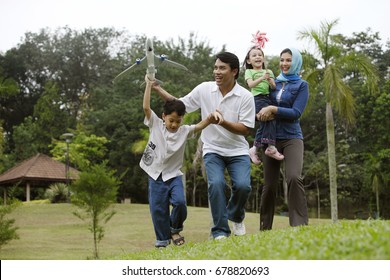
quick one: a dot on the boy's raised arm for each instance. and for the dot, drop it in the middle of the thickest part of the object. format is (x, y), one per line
(146, 103)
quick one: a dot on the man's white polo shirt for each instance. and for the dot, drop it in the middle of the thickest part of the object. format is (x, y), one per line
(236, 106)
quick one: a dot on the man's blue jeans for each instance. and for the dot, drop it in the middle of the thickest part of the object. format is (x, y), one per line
(161, 196)
(238, 168)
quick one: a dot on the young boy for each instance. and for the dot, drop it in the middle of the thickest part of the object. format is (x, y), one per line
(162, 160)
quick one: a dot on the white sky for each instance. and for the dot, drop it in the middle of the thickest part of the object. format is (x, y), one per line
(217, 22)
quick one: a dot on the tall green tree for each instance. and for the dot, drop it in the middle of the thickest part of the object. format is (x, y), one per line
(331, 79)
(55, 74)
(25, 139)
(378, 178)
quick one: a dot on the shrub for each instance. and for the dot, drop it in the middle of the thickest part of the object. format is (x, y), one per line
(7, 228)
(57, 193)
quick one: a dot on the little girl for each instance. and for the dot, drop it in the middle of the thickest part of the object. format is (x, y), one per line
(260, 81)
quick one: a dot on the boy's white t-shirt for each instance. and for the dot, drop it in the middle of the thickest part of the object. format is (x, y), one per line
(164, 152)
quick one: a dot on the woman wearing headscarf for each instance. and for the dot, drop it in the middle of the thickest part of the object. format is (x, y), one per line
(289, 98)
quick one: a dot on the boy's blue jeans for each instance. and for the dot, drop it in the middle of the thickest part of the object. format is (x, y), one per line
(238, 168)
(161, 196)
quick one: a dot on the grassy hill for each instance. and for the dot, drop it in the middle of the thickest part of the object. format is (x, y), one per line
(52, 232)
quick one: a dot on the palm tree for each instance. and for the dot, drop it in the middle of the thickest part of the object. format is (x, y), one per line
(377, 178)
(331, 78)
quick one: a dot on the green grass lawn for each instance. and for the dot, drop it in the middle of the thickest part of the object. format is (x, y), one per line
(52, 232)
(346, 240)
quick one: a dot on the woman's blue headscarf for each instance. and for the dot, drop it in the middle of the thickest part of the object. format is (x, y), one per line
(296, 64)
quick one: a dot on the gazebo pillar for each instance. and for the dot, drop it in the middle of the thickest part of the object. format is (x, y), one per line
(28, 191)
(5, 196)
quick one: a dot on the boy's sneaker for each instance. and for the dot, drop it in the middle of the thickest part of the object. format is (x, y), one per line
(239, 228)
(253, 155)
(274, 154)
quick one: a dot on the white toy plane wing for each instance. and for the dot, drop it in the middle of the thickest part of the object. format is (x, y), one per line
(139, 61)
(163, 60)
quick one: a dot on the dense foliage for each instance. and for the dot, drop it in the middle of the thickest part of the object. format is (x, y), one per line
(61, 81)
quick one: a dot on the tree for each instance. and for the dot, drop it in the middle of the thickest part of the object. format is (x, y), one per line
(93, 194)
(331, 78)
(24, 138)
(49, 112)
(32, 135)
(19, 89)
(53, 77)
(84, 151)
(378, 174)
(7, 228)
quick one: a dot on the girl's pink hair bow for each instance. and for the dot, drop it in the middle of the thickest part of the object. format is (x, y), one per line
(259, 39)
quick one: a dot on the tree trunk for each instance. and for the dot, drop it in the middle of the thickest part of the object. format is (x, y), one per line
(95, 235)
(377, 204)
(318, 200)
(331, 161)
(375, 183)
(195, 164)
(194, 186)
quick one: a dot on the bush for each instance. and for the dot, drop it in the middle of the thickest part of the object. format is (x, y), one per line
(7, 229)
(57, 193)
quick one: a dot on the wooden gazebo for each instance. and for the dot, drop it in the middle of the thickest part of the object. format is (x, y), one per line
(37, 171)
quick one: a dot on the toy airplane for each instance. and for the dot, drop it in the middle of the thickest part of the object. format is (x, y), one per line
(151, 62)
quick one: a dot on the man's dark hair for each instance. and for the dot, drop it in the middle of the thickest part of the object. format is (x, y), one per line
(231, 59)
(174, 105)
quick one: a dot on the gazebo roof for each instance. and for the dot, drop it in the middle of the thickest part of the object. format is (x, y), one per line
(38, 168)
